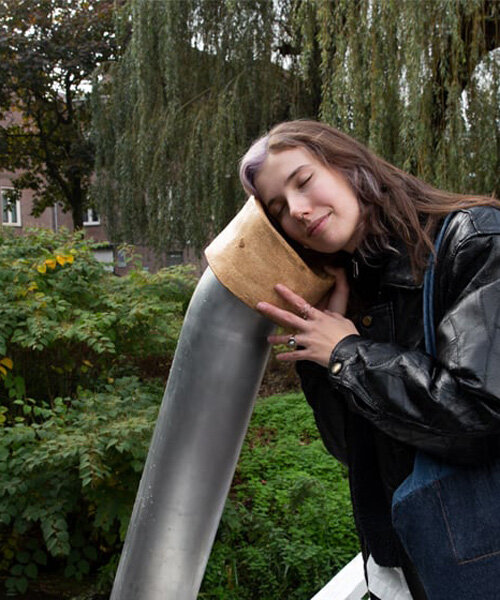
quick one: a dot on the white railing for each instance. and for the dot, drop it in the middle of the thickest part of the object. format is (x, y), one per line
(348, 584)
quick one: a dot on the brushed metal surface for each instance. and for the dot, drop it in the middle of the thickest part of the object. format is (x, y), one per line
(214, 379)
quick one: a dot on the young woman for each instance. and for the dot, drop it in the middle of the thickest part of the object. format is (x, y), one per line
(378, 397)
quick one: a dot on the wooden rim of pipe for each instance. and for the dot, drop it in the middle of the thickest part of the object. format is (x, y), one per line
(249, 257)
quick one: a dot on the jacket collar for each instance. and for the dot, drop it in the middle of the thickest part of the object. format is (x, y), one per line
(394, 268)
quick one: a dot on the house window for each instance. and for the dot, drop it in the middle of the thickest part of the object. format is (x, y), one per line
(11, 207)
(91, 217)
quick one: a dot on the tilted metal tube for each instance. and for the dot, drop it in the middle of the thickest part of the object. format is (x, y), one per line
(215, 376)
(214, 379)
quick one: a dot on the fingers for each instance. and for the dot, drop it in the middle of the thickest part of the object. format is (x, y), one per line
(291, 356)
(288, 295)
(311, 339)
(283, 339)
(303, 308)
(284, 317)
(280, 316)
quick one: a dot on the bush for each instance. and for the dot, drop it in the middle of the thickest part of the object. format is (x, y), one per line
(67, 488)
(287, 527)
(77, 409)
(73, 429)
(65, 321)
(68, 483)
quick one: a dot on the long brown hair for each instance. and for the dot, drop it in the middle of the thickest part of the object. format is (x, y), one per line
(393, 203)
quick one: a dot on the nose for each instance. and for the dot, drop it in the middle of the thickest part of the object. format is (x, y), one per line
(298, 206)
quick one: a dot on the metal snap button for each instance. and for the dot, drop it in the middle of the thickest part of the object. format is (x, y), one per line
(335, 368)
(367, 320)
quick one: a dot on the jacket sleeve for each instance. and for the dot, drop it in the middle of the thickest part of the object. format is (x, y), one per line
(328, 407)
(448, 406)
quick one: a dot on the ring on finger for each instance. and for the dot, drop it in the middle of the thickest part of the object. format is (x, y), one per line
(292, 342)
(304, 313)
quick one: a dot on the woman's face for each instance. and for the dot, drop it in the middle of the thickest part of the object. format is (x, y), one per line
(314, 204)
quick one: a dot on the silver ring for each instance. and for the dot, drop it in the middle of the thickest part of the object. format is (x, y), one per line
(292, 342)
(304, 313)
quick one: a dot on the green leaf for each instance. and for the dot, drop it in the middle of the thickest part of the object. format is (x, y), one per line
(31, 570)
(22, 585)
(23, 557)
(8, 553)
(83, 566)
(40, 557)
(90, 552)
(17, 570)
(69, 571)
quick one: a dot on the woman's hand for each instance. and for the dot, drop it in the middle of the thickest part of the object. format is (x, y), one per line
(317, 331)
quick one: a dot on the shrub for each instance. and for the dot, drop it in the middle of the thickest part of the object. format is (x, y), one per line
(65, 321)
(287, 527)
(77, 408)
(67, 488)
(68, 483)
(73, 429)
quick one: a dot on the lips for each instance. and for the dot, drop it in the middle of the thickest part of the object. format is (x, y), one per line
(316, 226)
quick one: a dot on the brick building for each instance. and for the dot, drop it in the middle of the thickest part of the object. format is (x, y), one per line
(17, 215)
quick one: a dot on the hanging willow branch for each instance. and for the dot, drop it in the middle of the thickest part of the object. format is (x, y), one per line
(200, 79)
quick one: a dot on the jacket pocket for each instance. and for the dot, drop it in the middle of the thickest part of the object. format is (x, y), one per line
(377, 323)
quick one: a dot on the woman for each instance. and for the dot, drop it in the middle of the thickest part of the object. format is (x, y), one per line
(377, 395)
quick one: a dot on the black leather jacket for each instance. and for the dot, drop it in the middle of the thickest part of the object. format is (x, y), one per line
(383, 396)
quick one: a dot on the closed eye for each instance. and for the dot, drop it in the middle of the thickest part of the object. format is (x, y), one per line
(303, 183)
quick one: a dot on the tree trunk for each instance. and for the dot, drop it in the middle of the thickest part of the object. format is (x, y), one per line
(76, 202)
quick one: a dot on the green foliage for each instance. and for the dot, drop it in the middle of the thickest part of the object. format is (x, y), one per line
(74, 429)
(65, 321)
(287, 526)
(67, 487)
(167, 144)
(67, 483)
(418, 81)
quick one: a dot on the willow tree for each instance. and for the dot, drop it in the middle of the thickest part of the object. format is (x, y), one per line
(199, 79)
(417, 81)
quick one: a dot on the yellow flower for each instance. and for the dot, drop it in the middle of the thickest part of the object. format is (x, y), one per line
(51, 263)
(42, 268)
(62, 259)
(3, 371)
(7, 362)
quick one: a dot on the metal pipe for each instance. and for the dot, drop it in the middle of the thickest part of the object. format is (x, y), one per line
(214, 379)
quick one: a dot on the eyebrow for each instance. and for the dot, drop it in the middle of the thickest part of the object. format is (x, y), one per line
(289, 178)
